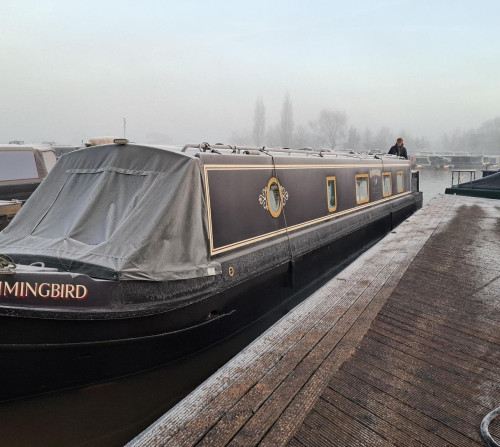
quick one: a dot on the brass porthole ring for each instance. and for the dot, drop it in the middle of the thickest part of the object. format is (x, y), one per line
(274, 202)
(231, 271)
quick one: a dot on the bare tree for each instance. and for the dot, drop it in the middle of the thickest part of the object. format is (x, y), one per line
(420, 144)
(259, 123)
(384, 139)
(445, 143)
(486, 138)
(367, 139)
(273, 136)
(330, 126)
(286, 124)
(301, 137)
(475, 140)
(353, 139)
(453, 142)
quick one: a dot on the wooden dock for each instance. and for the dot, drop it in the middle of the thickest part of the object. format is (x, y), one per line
(8, 209)
(402, 348)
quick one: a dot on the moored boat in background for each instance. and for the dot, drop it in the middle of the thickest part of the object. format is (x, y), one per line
(22, 168)
(129, 256)
(421, 161)
(491, 161)
(487, 187)
(466, 161)
(433, 161)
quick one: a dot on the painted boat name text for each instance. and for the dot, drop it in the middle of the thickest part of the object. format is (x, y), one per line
(43, 290)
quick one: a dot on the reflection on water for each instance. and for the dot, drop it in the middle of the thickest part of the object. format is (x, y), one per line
(110, 413)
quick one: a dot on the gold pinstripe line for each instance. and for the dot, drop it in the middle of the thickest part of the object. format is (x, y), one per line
(209, 210)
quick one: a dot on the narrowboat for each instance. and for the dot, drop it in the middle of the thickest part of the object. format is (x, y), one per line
(22, 169)
(466, 161)
(422, 161)
(431, 161)
(491, 161)
(439, 162)
(131, 256)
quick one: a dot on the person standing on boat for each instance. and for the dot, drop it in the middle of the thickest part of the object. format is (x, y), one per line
(398, 149)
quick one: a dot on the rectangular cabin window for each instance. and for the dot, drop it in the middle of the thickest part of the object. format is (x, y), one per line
(400, 183)
(17, 165)
(362, 190)
(386, 184)
(331, 189)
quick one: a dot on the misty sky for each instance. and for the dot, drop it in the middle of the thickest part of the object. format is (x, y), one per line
(192, 70)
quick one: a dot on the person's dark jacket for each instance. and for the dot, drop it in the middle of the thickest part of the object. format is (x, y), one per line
(399, 151)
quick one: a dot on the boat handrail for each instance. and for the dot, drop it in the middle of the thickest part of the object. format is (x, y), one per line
(471, 172)
(215, 148)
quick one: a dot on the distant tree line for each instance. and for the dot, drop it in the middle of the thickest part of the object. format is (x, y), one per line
(483, 140)
(331, 130)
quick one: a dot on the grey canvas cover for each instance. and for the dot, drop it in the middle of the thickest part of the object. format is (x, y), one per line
(126, 212)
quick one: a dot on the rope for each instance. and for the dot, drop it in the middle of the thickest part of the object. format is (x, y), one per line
(6, 262)
(275, 174)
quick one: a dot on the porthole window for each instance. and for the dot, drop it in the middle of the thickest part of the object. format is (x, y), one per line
(331, 191)
(400, 184)
(362, 191)
(274, 197)
(386, 184)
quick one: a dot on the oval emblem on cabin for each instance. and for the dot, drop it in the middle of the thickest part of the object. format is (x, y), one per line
(274, 197)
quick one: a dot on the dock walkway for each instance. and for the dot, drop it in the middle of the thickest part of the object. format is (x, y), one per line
(401, 348)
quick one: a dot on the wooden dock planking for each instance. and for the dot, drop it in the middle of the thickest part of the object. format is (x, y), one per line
(494, 429)
(398, 413)
(9, 207)
(302, 400)
(424, 373)
(424, 359)
(406, 425)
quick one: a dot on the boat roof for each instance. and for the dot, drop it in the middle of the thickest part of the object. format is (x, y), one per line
(26, 147)
(129, 211)
(223, 149)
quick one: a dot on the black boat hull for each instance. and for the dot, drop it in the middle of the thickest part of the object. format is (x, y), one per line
(42, 352)
(18, 191)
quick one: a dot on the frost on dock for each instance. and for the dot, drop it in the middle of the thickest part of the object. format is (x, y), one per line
(400, 348)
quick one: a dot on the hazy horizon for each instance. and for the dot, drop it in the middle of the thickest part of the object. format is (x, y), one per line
(192, 71)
